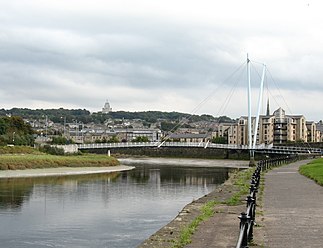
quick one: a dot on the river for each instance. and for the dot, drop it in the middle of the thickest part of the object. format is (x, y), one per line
(118, 209)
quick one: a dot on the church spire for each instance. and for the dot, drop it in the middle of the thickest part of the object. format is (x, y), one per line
(268, 111)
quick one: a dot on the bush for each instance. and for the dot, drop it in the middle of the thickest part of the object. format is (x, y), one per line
(52, 150)
(61, 141)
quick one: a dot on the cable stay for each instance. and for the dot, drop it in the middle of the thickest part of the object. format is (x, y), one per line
(236, 76)
(203, 102)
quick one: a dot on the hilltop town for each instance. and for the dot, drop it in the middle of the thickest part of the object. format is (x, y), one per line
(81, 126)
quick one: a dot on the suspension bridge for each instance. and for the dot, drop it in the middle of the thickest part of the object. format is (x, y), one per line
(252, 140)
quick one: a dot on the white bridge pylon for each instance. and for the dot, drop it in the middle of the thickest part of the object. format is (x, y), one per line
(252, 143)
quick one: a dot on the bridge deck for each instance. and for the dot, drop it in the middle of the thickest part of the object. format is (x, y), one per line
(259, 148)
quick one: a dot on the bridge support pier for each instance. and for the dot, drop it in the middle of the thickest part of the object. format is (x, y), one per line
(252, 162)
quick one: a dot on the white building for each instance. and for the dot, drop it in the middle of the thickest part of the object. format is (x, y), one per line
(106, 109)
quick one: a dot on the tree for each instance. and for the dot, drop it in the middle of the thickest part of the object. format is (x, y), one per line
(3, 126)
(113, 139)
(168, 126)
(60, 140)
(225, 119)
(13, 130)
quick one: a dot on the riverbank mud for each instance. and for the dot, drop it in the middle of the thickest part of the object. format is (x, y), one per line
(62, 171)
(237, 164)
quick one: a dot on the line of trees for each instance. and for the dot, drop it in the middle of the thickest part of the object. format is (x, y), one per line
(60, 115)
(13, 130)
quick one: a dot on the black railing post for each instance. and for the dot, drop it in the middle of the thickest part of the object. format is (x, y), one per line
(247, 220)
(251, 214)
(251, 189)
(244, 228)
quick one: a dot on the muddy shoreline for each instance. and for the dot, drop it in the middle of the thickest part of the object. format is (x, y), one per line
(62, 171)
(238, 164)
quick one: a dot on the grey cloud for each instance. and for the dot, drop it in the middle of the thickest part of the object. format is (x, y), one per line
(83, 57)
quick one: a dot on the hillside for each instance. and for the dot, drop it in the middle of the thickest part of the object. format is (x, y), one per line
(85, 116)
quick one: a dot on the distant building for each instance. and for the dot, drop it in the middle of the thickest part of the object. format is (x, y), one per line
(277, 128)
(94, 135)
(319, 130)
(189, 137)
(107, 108)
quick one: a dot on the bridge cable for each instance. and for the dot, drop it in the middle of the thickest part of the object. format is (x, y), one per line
(281, 95)
(229, 96)
(205, 100)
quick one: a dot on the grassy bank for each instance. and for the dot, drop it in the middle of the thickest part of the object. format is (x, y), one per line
(19, 158)
(207, 211)
(240, 182)
(313, 170)
(32, 161)
(18, 150)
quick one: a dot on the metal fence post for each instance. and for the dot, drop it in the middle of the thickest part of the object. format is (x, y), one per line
(244, 226)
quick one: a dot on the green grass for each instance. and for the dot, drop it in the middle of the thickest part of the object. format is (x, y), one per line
(313, 170)
(18, 150)
(32, 161)
(242, 180)
(207, 211)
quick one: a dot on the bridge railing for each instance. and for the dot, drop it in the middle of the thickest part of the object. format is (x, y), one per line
(167, 144)
(297, 149)
(117, 145)
(259, 148)
(247, 219)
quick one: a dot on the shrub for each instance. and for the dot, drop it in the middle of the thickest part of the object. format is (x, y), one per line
(52, 150)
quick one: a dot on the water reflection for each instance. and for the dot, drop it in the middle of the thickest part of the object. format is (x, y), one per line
(179, 175)
(13, 194)
(103, 210)
(15, 191)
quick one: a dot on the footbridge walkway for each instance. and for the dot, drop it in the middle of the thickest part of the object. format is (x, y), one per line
(262, 148)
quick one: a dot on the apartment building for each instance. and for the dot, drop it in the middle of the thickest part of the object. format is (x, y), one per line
(313, 134)
(277, 128)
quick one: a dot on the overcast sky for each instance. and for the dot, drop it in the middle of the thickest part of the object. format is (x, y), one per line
(168, 55)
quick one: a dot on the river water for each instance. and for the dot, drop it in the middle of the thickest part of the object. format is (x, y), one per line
(103, 210)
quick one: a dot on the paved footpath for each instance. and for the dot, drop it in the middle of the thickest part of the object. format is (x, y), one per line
(293, 209)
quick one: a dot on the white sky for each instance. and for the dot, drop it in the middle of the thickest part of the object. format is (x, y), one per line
(160, 55)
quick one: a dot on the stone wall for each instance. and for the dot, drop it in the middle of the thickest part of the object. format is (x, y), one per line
(68, 148)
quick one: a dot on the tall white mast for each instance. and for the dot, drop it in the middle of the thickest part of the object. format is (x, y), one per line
(259, 106)
(249, 105)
